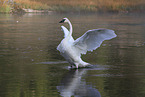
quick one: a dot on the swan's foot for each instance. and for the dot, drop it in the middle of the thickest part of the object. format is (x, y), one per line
(77, 65)
(85, 65)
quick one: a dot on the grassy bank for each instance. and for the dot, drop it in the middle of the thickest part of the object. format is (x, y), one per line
(74, 5)
(19, 5)
(97, 5)
(4, 7)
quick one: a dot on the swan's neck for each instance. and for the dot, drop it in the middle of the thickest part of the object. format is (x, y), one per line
(70, 25)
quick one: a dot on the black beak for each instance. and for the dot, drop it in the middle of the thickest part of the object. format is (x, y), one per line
(62, 21)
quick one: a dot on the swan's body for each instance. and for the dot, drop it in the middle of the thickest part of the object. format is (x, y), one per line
(72, 49)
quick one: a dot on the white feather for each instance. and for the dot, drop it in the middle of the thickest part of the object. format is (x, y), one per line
(92, 39)
(65, 30)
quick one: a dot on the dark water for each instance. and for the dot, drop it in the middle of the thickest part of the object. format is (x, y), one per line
(30, 65)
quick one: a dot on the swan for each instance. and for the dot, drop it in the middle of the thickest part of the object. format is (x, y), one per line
(72, 49)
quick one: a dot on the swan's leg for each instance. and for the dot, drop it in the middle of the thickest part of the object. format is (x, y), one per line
(77, 65)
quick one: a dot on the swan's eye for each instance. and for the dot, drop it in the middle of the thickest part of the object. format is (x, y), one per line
(62, 21)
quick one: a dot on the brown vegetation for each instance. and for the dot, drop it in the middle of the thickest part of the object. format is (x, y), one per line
(98, 5)
(75, 5)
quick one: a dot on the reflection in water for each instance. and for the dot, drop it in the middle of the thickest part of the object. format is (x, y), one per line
(73, 85)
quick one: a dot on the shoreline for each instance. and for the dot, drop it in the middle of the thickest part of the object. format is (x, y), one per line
(23, 10)
(72, 11)
(28, 6)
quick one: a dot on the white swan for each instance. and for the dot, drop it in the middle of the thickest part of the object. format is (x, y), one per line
(72, 49)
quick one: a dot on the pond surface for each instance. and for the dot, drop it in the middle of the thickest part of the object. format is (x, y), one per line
(30, 65)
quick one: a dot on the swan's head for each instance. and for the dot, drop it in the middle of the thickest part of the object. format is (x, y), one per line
(64, 20)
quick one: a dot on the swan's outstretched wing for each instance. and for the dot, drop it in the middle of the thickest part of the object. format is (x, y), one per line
(92, 39)
(65, 30)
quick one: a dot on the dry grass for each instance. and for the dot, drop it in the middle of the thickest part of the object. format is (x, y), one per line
(31, 4)
(77, 5)
(4, 7)
(101, 5)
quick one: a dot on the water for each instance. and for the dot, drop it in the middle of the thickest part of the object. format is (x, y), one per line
(30, 65)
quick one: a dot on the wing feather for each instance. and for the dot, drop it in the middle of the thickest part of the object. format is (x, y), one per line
(61, 47)
(65, 30)
(92, 39)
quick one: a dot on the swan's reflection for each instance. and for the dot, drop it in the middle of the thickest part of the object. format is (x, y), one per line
(73, 85)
